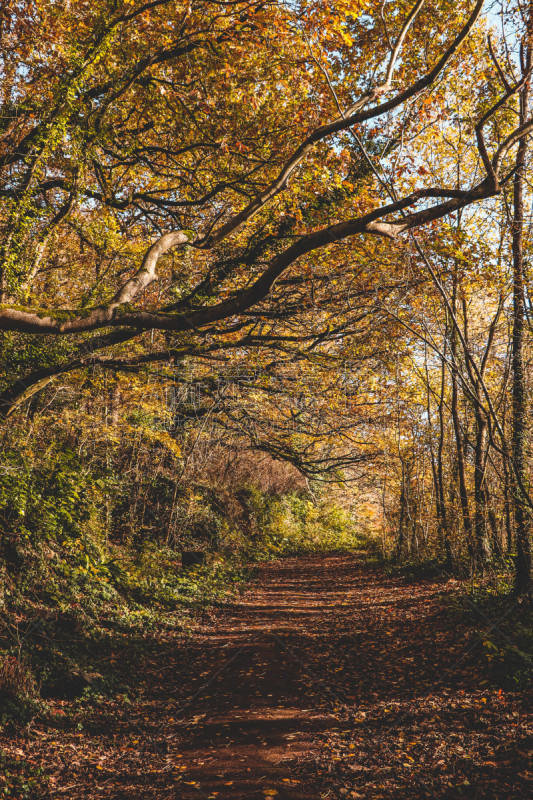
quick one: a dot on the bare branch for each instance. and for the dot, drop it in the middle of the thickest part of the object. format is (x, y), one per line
(400, 40)
(512, 139)
(499, 70)
(146, 274)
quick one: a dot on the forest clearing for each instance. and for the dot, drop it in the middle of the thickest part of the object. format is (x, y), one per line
(266, 431)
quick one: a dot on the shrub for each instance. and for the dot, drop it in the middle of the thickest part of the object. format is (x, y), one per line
(16, 680)
(296, 523)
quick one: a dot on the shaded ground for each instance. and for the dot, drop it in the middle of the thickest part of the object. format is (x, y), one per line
(326, 679)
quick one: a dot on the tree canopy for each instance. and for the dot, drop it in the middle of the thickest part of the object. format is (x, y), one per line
(317, 212)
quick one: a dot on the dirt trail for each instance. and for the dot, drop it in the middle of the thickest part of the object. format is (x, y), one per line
(326, 679)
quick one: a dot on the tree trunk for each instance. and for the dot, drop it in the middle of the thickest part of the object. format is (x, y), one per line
(481, 543)
(440, 472)
(523, 583)
(461, 467)
(507, 506)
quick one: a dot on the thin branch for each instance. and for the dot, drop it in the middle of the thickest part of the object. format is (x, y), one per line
(400, 40)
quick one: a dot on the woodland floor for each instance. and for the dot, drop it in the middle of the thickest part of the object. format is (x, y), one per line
(328, 678)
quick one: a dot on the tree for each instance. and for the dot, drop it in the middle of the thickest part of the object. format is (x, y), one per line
(189, 122)
(523, 578)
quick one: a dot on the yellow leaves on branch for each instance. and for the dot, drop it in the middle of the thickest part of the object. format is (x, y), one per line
(341, 8)
(334, 19)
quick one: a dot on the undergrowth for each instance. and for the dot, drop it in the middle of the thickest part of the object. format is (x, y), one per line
(79, 609)
(502, 625)
(502, 628)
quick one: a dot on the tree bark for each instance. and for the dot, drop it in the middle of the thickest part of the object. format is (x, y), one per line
(523, 581)
(459, 442)
(482, 547)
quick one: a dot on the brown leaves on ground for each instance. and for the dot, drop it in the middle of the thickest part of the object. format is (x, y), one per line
(327, 679)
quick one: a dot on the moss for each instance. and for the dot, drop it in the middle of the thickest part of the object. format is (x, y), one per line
(57, 314)
(42, 313)
(125, 308)
(62, 315)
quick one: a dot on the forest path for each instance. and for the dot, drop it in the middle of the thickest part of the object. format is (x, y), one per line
(326, 679)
